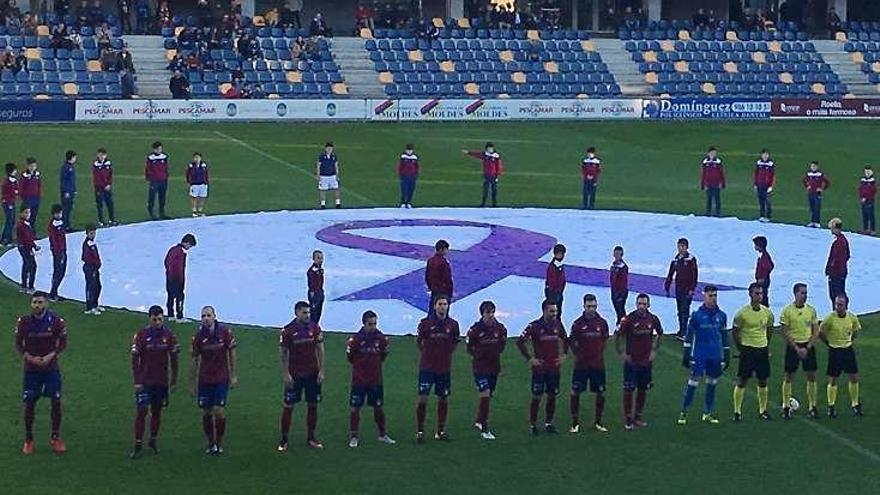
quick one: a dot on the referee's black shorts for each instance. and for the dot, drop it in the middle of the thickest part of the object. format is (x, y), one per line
(842, 360)
(754, 361)
(793, 361)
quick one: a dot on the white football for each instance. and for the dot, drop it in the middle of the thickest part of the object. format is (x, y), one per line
(793, 404)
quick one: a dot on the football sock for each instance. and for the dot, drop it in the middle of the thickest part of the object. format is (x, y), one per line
(832, 394)
(710, 397)
(354, 422)
(312, 420)
(220, 428)
(533, 410)
(442, 411)
(140, 424)
(641, 398)
(286, 416)
(786, 393)
(549, 409)
(323, 202)
(208, 427)
(379, 417)
(811, 394)
(600, 407)
(56, 417)
(739, 394)
(421, 412)
(689, 390)
(627, 403)
(483, 413)
(338, 201)
(155, 421)
(854, 394)
(763, 397)
(29, 420)
(575, 406)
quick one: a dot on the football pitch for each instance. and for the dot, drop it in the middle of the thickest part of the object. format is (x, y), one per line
(254, 167)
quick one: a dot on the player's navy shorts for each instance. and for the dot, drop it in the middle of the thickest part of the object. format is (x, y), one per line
(592, 377)
(373, 396)
(307, 384)
(793, 362)
(213, 394)
(545, 383)
(151, 395)
(486, 381)
(441, 382)
(710, 367)
(41, 384)
(754, 361)
(637, 377)
(842, 360)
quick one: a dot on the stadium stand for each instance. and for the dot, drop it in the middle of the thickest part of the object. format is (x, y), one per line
(862, 42)
(465, 61)
(679, 61)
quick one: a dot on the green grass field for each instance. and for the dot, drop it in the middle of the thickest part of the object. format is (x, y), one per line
(647, 166)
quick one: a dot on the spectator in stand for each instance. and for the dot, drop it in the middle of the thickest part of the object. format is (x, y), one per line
(832, 20)
(203, 14)
(142, 10)
(364, 16)
(62, 7)
(124, 7)
(187, 35)
(163, 14)
(60, 37)
(102, 33)
(237, 76)
(179, 86)
(258, 93)
(109, 60)
(232, 93)
(96, 13)
(271, 17)
(192, 61)
(319, 27)
(29, 24)
(82, 10)
(177, 63)
(248, 47)
(312, 52)
(297, 48)
(126, 81)
(386, 14)
(427, 30)
(12, 20)
(11, 61)
(246, 92)
(126, 60)
(296, 7)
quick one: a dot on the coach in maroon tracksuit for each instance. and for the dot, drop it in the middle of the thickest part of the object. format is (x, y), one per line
(838, 257)
(175, 275)
(438, 275)
(684, 268)
(712, 181)
(493, 167)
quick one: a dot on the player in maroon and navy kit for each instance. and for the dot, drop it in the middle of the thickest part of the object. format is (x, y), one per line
(198, 179)
(815, 182)
(40, 338)
(765, 180)
(493, 167)
(438, 275)
(58, 246)
(31, 188)
(213, 365)
(712, 181)
(684, 268)
(156, 174)
(9, 195)
(315, 279)
(25, 239)
(408, 172)
(102, 180)
(366, 351)
(438, 335)
(587, 339)
(485, 342)
(554, 282)
(636, 332)
(92, 269)
(153, 348)
(867, 193)
(302, 370)
(763, 267)
(591, 167)
(549, 347)
(619, 283)
(175, 276)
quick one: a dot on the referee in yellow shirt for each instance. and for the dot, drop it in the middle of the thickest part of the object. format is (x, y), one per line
(800, 327)
(752, 329)
(838, 330)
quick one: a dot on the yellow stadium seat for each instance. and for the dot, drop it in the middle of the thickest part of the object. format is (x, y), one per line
(503, 96)
(730, 67)
(840, 36)
(340, 89)
(366, 33)
(518, 77)
(682, 66)
(43, 30)
(386, 77)
(875, 67)
(708, 88)
(294, 77)
(177, 31)
(651, 78)
(71, 89)
(582, 96)
(464, 23)
(259, 21)
(759, 58)
(223, 88)
(170, 54)
(649, 56)
(41, 97)
(533, 35)
(858, 57)
(818, 88)
(667, 46)
(505, 56)
(731, 36)
(472, 88)
(415, 56)
(588, 46)
(94, 66)
(551, 67)
(786, 78)
(447, 66)
(775, 46)
(438, 22)
(684, 35)
(32, 53)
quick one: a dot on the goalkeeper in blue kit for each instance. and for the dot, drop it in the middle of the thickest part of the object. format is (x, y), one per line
(706, 353)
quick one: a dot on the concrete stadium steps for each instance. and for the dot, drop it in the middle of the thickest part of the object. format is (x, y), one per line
(150, 65)
(841, 63)
(621, 66)
(356, 68)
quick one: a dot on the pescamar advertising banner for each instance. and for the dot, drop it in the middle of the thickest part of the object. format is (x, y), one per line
(502, 109)
(214, 110)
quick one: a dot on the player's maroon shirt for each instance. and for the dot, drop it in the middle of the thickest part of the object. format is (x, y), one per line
(815, 182)
(438, 275)
(764, 266)
(619, 279)
(638, 329)
(366, 351)
(24, 235)
(555, 279)
(301, 341)
(867, 188)
(151, 351)
(437, 340)
(102, 174)
(713, 173)
(10, 190)
(545, 339)
(175, 263)
(684, 268)
(765, 173)
(57, 236)
(212, 347)
(485, 342)
(408, 166)
(838, 257)
(587, 340)
(31, 184)
(493, 167)
(90, 255)
(315, 278)
(38, 336)
(156, 167)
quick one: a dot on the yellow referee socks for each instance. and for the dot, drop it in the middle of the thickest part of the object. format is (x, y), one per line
(854, 394)
(786, 393)
(832, 394)
(763, 393)
(739, 394)
(811, 394)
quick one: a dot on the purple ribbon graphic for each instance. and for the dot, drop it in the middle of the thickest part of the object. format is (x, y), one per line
(506, 251)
